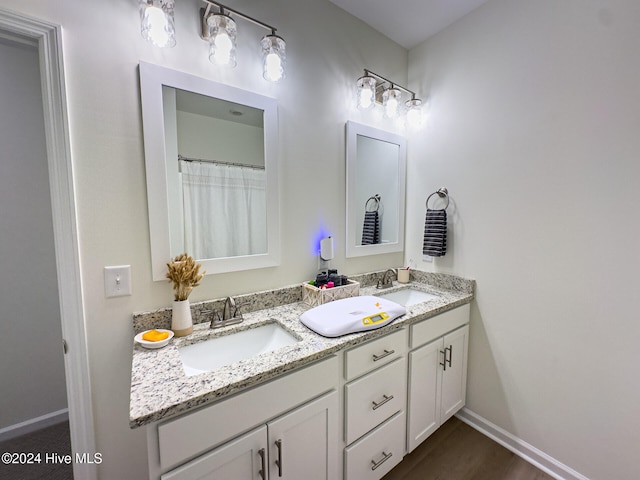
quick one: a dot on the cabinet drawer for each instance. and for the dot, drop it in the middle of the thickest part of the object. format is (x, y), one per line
(372, 399)
(375, 454)
(374, 354)
(434, 327)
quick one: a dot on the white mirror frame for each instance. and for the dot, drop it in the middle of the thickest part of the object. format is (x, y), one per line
(354, 208)
(152, 79)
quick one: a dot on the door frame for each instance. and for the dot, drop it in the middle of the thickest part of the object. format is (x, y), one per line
(76, 360)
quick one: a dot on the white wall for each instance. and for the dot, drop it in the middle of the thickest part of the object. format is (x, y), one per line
(327, 51)
(534, 129)
(31, 369)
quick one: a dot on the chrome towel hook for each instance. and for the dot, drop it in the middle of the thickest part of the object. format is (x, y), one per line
(442, 193)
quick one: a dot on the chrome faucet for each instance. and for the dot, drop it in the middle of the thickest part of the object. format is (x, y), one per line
(385, 281)
(229, 303)
(228, 316)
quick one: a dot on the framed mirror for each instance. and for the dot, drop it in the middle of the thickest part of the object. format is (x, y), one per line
(376, 171)
(212, 172)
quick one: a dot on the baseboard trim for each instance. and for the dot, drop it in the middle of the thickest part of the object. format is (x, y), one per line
(38, 423)
(526, 451)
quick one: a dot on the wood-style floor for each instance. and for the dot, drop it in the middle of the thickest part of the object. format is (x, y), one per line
(458, 452)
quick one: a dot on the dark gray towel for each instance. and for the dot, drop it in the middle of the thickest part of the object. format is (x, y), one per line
(371, 228)
(435, 233)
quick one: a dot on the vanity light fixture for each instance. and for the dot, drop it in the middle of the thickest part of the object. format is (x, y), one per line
(373, 88)
(366, 92)
(219, 29)
(222, 39)
(157, 26)
(414, 112)
(274, 57)
(391, 102)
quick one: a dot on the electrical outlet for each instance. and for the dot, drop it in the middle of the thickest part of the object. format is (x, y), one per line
(117, 281)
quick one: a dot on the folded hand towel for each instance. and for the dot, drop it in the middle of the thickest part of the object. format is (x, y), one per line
(435, 233)
(371, 228)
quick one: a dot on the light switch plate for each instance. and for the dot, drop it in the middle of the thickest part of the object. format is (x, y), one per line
(117, 281)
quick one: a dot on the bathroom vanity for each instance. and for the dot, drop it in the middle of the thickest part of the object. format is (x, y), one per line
(323, 408)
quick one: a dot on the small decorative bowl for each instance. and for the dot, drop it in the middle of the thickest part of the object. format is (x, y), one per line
(147, 344)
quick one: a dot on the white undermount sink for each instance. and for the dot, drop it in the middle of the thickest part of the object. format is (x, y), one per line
(218, 352)
(408, 296)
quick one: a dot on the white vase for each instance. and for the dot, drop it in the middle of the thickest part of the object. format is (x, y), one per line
(181, 322)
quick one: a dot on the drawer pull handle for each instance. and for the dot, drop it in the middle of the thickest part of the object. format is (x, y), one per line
(447, 360)
(279, 460)
(384, 400)
(444, 362)
(382, 355)
(263, 470)
(385, 457)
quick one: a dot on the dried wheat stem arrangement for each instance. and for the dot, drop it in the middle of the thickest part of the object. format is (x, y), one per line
(184, 273)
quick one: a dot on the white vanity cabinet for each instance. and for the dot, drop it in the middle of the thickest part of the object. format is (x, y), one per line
(292, 423)
(351, 416)
(437, 372)
(293, 446)
(374, 407)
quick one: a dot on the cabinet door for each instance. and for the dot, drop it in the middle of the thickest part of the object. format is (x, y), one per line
(424, 392)
(240, 459)
(454, 375)
(303, 443)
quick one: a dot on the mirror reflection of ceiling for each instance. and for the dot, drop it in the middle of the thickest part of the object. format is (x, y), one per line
(197, 104)
(409, 22)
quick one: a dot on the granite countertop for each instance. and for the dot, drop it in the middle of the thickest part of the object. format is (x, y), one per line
(160, 388)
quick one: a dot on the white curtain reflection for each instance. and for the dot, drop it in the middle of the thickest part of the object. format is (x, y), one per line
(224, 210)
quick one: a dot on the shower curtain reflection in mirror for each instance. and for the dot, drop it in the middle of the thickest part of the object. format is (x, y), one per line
(224, 209)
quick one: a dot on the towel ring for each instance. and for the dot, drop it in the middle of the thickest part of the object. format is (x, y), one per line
(442, 193)
(375, 198)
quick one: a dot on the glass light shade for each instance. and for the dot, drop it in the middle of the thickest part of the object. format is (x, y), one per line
(391, 102)
(366, 92)
(414, 112)
(222, 40)
(157, 23)
(274, 58)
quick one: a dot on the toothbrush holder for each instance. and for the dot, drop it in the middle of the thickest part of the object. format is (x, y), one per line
(403, 275)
